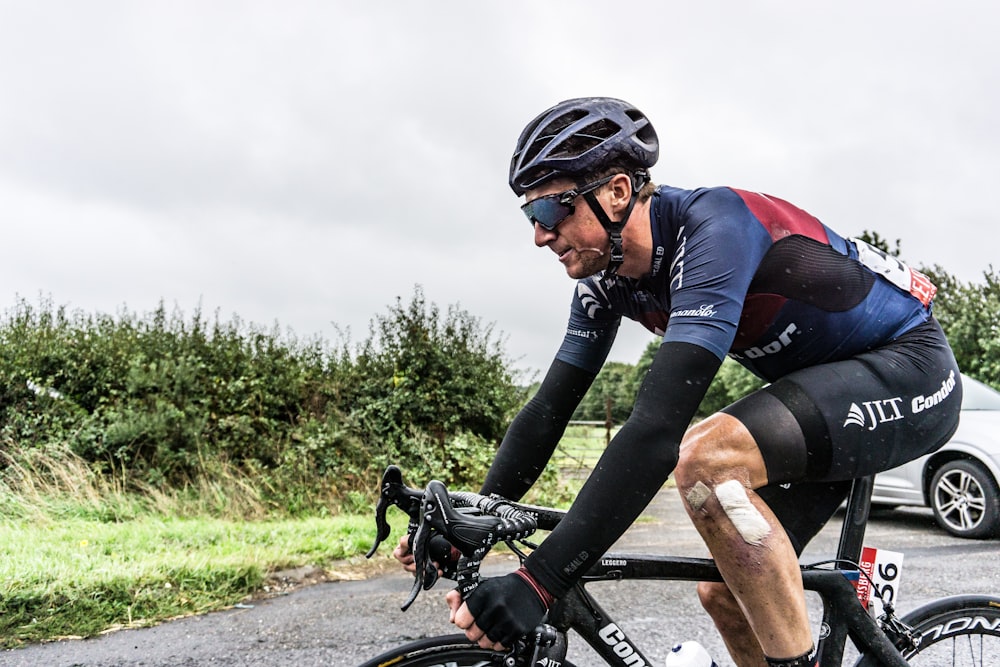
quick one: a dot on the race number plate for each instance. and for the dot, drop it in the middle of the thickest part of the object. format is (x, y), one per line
(893, 270)
(882, 583)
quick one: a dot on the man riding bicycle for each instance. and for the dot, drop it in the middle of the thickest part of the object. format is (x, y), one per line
(843, 333)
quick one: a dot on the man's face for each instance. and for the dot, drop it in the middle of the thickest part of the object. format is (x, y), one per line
(579, 241)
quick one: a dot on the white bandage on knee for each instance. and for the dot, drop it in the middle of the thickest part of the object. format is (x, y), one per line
(749, 522)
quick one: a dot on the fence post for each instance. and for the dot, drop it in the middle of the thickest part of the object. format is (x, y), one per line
(607, 421)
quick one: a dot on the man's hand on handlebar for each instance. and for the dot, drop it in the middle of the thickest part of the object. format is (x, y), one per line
(449, 535)
(501, 610)
(404, 555)
(443, 555)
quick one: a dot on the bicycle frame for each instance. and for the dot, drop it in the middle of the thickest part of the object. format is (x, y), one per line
(843, 614)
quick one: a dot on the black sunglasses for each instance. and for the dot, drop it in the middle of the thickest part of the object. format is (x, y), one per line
(550, 210)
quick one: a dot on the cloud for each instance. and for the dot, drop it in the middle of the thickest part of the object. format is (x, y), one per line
(307, 162)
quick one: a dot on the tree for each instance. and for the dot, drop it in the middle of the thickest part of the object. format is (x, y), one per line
(614, 383)
(970, 316)
(731, 383)
(876, 240)
(969, 313)
(427, 384)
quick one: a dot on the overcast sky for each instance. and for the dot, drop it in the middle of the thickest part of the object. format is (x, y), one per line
(305, 163)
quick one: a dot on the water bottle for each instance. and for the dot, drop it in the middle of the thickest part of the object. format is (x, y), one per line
(689, 654)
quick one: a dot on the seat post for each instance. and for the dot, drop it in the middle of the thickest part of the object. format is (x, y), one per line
(852, 533)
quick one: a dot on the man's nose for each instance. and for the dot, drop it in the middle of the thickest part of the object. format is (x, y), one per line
(543, 236)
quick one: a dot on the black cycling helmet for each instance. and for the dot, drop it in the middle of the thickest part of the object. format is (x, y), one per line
(582, 136)
(579, 137)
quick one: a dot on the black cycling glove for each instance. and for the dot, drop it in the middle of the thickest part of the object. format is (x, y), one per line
(509, 607)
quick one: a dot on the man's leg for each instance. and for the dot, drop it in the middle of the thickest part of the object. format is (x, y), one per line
(731, 623)
(792, 431)
(802, 508)
(719, 467)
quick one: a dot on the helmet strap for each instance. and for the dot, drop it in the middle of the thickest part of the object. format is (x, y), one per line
(614, 229)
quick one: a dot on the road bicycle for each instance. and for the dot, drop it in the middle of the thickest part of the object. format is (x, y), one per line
(959, 630)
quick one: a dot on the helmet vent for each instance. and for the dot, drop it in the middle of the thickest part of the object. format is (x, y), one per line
(538, 175)
(561, 122)
(550, 132)
(593, 135)
(644, 129)
(536, 147)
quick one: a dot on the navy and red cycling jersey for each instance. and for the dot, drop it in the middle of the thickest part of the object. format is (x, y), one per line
(752, 276)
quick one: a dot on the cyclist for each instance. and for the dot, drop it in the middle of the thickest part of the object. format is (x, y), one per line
(861, 376)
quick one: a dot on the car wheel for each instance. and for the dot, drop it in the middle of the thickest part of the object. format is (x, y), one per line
(965, 499)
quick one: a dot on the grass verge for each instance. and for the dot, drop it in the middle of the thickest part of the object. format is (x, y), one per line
(80, 577)
(81, 555)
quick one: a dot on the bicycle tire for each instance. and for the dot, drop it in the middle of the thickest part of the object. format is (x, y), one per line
(443, 651)
(958, 631)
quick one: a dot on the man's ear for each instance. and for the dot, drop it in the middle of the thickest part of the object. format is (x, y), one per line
(621, 192)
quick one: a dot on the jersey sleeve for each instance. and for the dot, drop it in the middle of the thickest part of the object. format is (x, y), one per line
(593, 325)
(720, 246)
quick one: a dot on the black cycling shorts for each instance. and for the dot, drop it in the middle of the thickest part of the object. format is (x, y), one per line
(819, 428)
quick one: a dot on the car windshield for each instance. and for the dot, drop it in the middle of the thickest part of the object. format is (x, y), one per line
(978, 396)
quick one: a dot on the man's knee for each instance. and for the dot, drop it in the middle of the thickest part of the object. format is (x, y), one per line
(700, 453)
(719, 463)
(718, 449)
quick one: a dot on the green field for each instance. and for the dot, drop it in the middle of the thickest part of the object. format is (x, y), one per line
(78, 577)
(580, 448)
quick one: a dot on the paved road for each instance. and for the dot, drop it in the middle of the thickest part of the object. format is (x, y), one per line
(340, 624)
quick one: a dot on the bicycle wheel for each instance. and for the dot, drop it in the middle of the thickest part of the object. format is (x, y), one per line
(959, 631)
(444, 651)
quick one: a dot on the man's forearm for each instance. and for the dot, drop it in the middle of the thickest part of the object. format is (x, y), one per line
(636, 464)
(536, 430)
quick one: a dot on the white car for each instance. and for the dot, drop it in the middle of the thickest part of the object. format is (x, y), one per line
(959, 481)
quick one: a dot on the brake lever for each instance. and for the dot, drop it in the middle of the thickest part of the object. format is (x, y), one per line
(417, 544)
(426, 574)
(382, 528)
(435, 511)
(393, 492)
(472, 524)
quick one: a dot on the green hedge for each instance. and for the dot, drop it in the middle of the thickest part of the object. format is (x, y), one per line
(164, 399)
